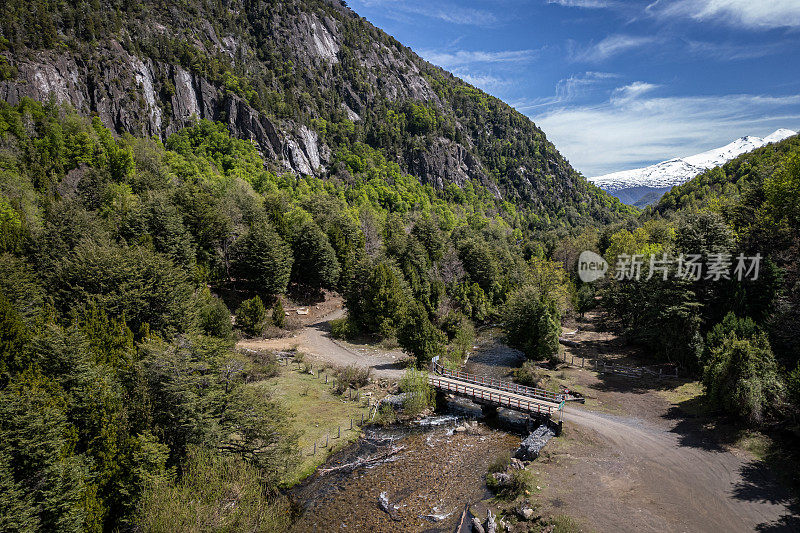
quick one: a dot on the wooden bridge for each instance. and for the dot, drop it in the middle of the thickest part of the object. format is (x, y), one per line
(496, 393)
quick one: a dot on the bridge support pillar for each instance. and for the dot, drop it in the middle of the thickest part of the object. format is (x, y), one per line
(489, 411)
(441, 401)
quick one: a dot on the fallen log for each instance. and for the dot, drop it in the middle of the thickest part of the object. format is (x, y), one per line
(567, 342)
(364, 461)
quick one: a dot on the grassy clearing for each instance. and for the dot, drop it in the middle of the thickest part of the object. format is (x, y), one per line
(682, 393)
(318, 413)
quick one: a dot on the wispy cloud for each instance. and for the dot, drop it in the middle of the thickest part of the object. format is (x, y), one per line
(609, 47)
(753, 14)
(486, 82)
(726, 51)
(451, 59)
(567, 90)
(445, 11)
(634, 129)
(633, 90)
(591, 4)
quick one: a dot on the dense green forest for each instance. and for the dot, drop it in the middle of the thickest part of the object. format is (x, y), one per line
(739, 336)
(117, 362)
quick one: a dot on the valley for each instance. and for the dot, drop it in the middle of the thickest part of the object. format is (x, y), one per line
(235, 235)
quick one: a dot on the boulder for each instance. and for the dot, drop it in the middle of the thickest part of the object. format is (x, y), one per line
(530, 447)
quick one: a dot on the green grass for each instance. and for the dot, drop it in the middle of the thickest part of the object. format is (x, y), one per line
(318, 412)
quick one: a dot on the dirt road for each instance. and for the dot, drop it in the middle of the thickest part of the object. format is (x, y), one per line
(648, 466)
(653, 479)
(315, 340)
(640, 471)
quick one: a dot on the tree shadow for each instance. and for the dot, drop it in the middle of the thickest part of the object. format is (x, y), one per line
(690, 430)
(759, 484)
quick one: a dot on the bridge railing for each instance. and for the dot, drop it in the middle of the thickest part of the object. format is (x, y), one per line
(507, 386)
(503, 400)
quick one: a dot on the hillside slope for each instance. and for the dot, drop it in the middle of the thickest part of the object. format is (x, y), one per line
(302, 80)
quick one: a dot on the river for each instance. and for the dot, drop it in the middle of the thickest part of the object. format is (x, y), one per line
(436, 470)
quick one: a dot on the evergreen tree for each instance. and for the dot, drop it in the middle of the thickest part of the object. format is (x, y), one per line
(251, 316)
(14, 337)
(419, 337)
(278, 314)
(315, 264)
(263, 259)
(532, 324)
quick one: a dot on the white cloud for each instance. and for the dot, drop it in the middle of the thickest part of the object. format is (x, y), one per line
(566, 90)
(632, 129)
(482, 81)
(633, 90)
(610, 46)
(580, 3)
(467, 57)
(754, 14)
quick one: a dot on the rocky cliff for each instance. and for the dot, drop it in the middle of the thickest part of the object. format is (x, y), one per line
(301, 80)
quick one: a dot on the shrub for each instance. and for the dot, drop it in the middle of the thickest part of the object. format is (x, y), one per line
(251, 316)
(215, 319)
(385, 415)
(350, 377)
(521, 482)
(419, 393)
(279, 315)
(741, 377)
(528, 375)
(343, 328)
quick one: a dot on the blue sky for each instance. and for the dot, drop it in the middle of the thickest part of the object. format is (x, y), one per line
(617, 84)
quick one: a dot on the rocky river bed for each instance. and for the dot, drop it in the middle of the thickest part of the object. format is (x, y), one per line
(418, 476)
(439, 466)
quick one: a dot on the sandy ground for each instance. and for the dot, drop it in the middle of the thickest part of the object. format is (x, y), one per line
(315, 340)
(633, 461)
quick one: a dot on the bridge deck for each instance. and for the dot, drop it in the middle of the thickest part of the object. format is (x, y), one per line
(493, 396)
(507, 386)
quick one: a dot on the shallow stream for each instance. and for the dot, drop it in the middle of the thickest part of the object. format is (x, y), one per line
(419, 476)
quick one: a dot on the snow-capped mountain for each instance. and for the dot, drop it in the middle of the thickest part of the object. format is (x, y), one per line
(632, 186)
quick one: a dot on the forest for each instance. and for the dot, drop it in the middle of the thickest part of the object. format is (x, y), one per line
(119, 384)
(117, 365)
(131, 264)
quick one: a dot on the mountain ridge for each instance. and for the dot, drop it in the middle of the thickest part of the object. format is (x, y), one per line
(650, 182)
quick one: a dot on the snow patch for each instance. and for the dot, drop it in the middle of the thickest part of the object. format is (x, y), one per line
(680, 170)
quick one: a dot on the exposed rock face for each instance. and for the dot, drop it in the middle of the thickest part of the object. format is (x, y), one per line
(127, 93)
(292, 76)
(448, 162)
